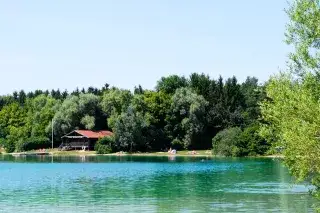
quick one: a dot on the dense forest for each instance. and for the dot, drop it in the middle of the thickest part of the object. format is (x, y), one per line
(183, 113)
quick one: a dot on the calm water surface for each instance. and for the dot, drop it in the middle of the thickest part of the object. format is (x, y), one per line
(147, 184)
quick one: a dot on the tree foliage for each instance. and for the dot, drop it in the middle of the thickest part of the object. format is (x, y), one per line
(105, 145)
(292, 113)
(182, 113)
(171, 83)
(78, 112)
(225, 142)
(303, 33)
(186, 118)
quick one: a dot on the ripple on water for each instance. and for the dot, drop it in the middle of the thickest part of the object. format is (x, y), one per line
(148, 185)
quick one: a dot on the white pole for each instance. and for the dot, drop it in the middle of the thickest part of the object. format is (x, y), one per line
(52, 133)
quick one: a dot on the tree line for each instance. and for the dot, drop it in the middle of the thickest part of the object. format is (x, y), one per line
(181, 113)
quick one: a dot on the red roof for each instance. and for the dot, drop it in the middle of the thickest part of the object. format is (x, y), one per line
(94, 134)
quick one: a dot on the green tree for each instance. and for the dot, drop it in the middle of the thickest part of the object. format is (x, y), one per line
(251, 143)
(13, 126)
(22, 97)
(78, 112)
(186, 118)
(129, 131)
(40, 112)
(292, 111)
(225, 142)
(114, 102)
(88, 122)
(303, 33)
(171, 83)
(138, 90)
(253, 95)
(105, 145)
(201, 84)
(154, 106)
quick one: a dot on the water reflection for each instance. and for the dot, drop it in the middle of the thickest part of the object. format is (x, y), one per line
(148, 184)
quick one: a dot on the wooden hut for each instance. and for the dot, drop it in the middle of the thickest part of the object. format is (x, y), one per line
(83, 139)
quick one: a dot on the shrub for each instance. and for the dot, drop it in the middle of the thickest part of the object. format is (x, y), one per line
(9, 146)
(105, 145)
(235, 142)
(177, 144)
(251, 143)
(36, 143)
(225, 142)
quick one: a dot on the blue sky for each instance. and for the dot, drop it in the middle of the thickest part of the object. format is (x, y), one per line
(80, 43)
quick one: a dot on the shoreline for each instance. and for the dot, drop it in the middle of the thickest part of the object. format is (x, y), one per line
(200, 153)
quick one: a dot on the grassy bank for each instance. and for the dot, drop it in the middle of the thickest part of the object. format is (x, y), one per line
(55, 152)
(200, 153)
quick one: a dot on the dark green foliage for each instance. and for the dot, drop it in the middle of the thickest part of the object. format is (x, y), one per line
(34, 143)
(236, 142)
(9, 146)
(186, 117)
(131, 129)
(79, 112)
(225, 142)
(170, 84)
(138, 90)
(177, 144)
(22, 97)
(251, 143)
(105, 145)
(201, 84)
(65, 94)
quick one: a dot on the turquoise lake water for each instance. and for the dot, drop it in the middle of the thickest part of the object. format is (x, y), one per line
(148, 184)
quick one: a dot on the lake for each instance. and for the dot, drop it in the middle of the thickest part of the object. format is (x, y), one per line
(148, 184)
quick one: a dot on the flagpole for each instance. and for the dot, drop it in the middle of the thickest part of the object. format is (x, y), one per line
(52, 133)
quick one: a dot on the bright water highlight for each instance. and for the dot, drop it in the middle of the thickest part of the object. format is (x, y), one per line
(148, 184)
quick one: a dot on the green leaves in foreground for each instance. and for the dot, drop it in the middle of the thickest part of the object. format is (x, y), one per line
(292, 114)
(303, 33)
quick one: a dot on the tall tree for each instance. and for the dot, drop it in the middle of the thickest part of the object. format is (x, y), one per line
(79, 112)
(22, 97)
(292, 116)
(138, 90)
(186, 118)
(303, 33)
(65, 94)
(114, 102)
(76, 92)
(129, 131)
(15, 95)
(13, 126)
(38, 92)
(171, 83)
(201, 84)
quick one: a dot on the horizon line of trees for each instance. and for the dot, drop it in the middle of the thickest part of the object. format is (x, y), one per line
(182, 113)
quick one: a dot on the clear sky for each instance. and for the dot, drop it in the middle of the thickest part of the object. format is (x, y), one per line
(80, 43)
